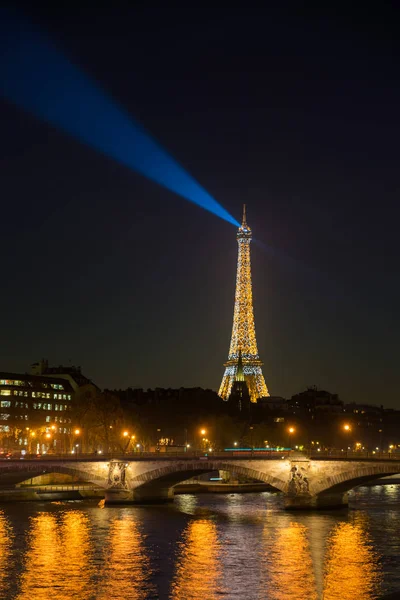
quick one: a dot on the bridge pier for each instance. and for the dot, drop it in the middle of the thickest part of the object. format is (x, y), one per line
(319, 502)
(138, 496)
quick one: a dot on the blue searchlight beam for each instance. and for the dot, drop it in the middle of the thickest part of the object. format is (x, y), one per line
(38, 78)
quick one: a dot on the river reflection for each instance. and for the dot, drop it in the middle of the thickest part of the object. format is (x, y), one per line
(352, 569)
(57, 560)
(126, 572)
(198, 570)
(203, 548)
(289, 573)
(5, 545)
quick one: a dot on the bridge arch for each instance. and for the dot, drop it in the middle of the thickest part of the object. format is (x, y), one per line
(12, 474)
(348, 479)
(165, 477)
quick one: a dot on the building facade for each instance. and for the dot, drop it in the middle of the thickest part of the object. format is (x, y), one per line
(36, 409)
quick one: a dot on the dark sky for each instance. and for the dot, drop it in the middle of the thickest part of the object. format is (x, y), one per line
(296, 114)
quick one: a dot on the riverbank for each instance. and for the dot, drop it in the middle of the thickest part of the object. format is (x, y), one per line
(205, 487)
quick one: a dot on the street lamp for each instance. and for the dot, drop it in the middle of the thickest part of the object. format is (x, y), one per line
(77, 432)
(203, 440)
(291, 431)
(346, 427)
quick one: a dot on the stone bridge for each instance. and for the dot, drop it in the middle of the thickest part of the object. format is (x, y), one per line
(305, 482)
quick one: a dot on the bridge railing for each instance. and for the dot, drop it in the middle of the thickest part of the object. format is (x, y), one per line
(197, 454)
(353, 455)
(200, 455)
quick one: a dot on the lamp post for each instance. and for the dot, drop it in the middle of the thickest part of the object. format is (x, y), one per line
(291, 431)
(77, 433)
(202, 433)
(48, 438)
(31, 435)
(347, 429)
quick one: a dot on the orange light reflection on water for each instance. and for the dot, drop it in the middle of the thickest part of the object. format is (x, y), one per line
(57, 562)
(288, 570)
(126, 574)
(198, 571)
(5, 550)
(351, 566)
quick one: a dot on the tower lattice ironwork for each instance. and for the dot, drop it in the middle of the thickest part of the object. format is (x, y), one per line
(243, 341)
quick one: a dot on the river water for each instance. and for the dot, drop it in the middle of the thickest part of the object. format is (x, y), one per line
(239, 546)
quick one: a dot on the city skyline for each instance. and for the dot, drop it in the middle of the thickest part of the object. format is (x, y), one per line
(105, 269)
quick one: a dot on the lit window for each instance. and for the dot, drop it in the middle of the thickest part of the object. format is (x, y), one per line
(5, 392)
(5, 404)
(48, 419)
(69, 396)
(4, 428)
(55, 419)
(4, 416)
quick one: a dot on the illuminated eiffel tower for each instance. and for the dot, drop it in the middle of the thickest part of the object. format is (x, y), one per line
(243, 341)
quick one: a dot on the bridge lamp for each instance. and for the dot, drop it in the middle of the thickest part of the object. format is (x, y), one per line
(187, 445)
(203, 431)
(77, 431)
(210, 449)
(235, 443)
(347, 427)
(125, 434)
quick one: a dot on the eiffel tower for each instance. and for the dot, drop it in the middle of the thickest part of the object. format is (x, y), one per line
(243, 341)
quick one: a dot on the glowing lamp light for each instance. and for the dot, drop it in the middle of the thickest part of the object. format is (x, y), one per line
(125, 434)
(37, 77)
(77, 431)
(203, 432)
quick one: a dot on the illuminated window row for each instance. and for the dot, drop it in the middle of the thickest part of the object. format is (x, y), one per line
(56, 419)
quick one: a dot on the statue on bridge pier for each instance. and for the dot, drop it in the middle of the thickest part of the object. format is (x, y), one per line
(117, 475)
(298, 483)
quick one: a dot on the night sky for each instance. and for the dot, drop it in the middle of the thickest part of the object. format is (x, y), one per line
(294, 113)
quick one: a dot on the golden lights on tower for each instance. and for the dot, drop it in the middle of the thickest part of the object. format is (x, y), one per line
(243, 340)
